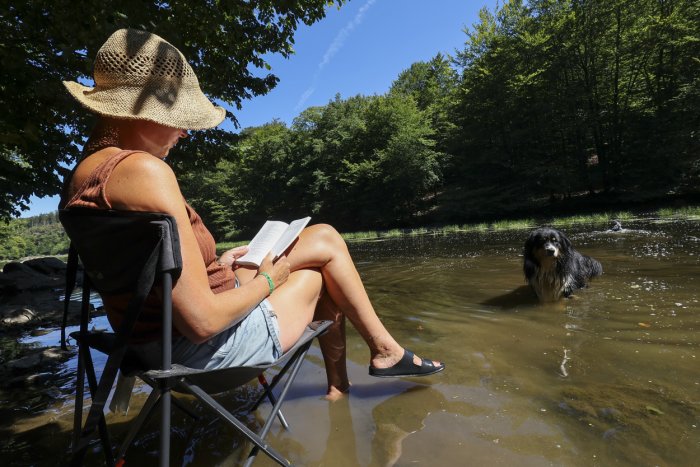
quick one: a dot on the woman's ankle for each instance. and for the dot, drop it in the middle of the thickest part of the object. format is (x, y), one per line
(383, 346)
(335, 393)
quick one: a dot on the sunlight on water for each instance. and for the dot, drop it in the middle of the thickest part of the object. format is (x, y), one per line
(609, 377)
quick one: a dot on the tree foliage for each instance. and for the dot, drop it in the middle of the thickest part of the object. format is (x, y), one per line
(572, 96)
(360, 161)
(47, 41)
(35, 236)
(550, 104)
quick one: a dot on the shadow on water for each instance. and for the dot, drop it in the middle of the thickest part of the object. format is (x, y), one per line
(608, 377)
(520, 296)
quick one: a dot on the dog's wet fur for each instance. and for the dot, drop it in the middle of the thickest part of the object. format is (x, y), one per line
(552, 266)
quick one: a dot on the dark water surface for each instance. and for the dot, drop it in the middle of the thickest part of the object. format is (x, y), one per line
(609, 377)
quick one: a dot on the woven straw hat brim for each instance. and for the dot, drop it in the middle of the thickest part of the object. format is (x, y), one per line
(186, 108)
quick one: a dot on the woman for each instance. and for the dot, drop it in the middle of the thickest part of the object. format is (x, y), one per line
(147, 97)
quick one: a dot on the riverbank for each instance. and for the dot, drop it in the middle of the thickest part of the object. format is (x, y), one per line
(599, 220)
(31, 288)
(31, 304)
(608, 377)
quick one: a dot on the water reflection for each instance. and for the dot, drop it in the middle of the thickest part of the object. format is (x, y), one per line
(608, 377)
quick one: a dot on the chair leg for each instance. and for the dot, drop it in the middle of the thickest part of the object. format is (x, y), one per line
(224, 414)
(184, 409)
(295, 363)
(273, 399)
(144, 415)
(82, 434)
(141, 419)
(102, 423)
(299, 354)
(79, 395)
(165, 399)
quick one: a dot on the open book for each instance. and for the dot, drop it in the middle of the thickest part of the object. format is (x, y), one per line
(275, 237)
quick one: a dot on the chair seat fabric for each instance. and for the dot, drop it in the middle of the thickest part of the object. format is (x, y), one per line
(151, 256)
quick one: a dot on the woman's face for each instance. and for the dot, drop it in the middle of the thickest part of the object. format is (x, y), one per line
(159, 139)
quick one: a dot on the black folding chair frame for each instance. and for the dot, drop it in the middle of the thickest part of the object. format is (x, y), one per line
(162, 265)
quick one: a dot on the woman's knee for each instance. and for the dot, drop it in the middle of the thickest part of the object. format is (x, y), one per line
(325, 236)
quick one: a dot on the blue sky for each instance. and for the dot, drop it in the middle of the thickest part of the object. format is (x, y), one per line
(358, 49)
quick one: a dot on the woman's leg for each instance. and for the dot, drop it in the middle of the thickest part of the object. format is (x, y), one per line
(333, 347)
(301, 300)
(321, 248)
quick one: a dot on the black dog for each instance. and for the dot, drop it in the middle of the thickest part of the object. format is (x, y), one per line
(553, 268)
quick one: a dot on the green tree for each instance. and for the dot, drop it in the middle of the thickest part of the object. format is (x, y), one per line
(326, 137)
(433, 85)
(38, 235)
(12, 244)
(47, 41)
(560, 98)
(401, 168)
(357, 162)
(264, 180)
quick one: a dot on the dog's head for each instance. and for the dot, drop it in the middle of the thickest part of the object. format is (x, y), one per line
(545, 245)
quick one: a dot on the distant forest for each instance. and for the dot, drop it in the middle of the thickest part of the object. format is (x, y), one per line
(551, 107)
(36, 236)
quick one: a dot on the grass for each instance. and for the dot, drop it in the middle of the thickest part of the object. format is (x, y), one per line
(689, 212)
(483, 227)
(367, 235)
(223, 246)
(514, 224)
(599, 218)
(444, 230)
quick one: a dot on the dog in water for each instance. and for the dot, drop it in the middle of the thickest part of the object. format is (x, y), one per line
(552, 266)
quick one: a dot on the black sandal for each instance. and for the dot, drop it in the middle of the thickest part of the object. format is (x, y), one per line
(406, 367)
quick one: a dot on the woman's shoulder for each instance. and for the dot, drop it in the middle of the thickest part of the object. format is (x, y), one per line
(113, 157)
(142, 181)
(138, 167)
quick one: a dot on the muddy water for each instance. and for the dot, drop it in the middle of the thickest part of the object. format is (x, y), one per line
(609, 377)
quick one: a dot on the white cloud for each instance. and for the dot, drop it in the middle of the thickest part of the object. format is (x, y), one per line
(306, 94)
(336, 45)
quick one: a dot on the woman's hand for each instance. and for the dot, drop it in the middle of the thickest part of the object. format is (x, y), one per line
(229, 257)
(278, 271)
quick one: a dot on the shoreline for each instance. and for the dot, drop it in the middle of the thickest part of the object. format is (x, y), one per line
(688, 213)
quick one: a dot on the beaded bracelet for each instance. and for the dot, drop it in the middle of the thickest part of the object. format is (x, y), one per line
(269, 281)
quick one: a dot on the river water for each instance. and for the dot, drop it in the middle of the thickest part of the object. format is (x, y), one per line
(609, 377)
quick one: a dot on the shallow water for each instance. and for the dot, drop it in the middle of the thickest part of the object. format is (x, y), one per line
(609, 377)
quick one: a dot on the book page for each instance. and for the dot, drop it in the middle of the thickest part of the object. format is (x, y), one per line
(263, 242)
(289, 235)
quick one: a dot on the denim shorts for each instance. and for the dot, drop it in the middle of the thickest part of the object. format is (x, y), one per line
(250, 342)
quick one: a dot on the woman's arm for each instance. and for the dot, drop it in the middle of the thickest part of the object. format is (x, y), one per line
(145, 183)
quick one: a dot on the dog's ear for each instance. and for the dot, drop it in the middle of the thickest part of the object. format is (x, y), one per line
(529, 267)
(530, 242)
(564, 241)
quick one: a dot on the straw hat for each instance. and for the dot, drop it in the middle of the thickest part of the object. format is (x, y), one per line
(139, 75)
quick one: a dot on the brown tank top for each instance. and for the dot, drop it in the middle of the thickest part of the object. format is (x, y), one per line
(91, 194)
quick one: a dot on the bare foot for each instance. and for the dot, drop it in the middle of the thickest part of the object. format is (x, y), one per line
(335, 393)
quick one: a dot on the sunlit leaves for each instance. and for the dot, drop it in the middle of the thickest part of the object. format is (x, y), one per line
(47, 41)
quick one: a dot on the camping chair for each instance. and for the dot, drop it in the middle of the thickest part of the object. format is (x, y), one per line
(131, 252)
